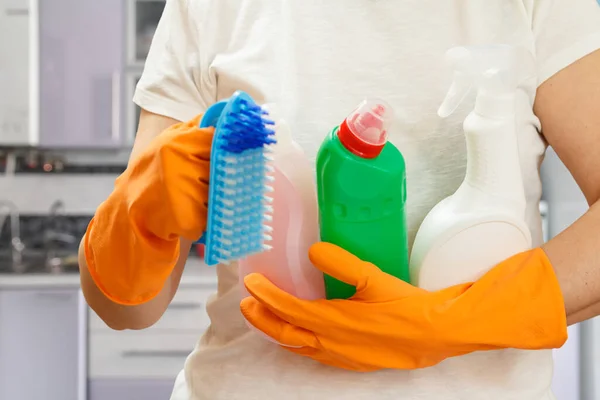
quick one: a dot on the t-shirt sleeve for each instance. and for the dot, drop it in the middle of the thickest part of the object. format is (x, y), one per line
(565, 31)
(176, 81)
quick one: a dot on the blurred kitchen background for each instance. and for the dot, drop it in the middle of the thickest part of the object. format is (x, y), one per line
(68, 69)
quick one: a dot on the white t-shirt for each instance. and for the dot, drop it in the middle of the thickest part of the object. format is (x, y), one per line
(317, 60)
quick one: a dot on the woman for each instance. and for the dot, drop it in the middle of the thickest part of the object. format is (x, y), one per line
(317, 60)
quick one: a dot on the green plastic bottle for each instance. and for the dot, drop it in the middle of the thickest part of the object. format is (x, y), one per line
(361, 183)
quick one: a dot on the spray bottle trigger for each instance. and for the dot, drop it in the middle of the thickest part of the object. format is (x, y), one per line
(462, 85)
(460, 60)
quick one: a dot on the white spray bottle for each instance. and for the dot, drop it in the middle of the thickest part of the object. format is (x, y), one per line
(483, 222)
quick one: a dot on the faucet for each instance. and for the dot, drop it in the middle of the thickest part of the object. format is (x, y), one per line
(8, 208)
(51, 238)
(55, 209)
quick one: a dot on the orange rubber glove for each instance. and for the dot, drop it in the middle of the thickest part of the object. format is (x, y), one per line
(132, 243)
(391, 324)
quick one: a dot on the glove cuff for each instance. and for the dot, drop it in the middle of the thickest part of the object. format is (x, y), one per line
(517, 304)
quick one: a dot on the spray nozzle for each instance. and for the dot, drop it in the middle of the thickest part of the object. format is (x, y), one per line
(364, 132)
(494, 69)
(370, 121)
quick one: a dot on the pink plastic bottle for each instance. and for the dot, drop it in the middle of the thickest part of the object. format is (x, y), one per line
(295, 223)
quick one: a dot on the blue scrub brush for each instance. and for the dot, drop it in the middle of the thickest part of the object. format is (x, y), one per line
(238, 203)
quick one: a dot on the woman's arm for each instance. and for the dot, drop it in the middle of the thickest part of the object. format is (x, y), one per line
(567, 105)
(142, 316)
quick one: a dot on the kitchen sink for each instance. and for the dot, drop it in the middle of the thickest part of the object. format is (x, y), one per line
(36, 262)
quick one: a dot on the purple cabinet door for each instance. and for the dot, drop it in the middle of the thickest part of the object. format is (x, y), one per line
(43, 343)
(81, 59)
(129, 388)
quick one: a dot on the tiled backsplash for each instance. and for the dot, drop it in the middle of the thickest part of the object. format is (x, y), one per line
(34, 194)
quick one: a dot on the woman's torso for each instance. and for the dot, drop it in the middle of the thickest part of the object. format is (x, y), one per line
(317, 60)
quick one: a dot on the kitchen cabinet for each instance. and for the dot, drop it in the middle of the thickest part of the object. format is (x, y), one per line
(80, 73)
(133, 110)
(14, 73)
(128, 389)
(143, 18)
(143, 364)
(43, 344)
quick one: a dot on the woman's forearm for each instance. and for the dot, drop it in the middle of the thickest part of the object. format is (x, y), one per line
(583, 315)
(575, 255)
(566, 105)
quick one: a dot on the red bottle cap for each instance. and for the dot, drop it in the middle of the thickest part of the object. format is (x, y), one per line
(364, 131)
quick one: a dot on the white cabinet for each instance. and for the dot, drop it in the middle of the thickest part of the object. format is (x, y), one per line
(143, 364)
(140, 355)
(143, 17)
(142, 21)
(14, 73)
(42, 344)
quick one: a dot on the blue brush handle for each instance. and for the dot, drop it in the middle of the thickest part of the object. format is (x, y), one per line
(210, 119)
(212, 115)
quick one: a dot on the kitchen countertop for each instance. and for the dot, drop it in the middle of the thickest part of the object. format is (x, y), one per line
(195, 273)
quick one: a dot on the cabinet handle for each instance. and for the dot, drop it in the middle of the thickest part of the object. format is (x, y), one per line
(55, 295)
(16, 12)
(116, 106)
(155, 354)
(185, 306)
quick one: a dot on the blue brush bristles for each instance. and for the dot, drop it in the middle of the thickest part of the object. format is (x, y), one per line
(238, 204)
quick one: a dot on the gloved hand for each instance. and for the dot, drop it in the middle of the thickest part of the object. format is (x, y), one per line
(391, 324)
(132, 243)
